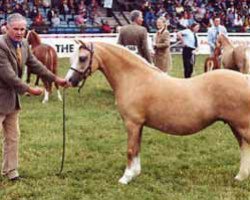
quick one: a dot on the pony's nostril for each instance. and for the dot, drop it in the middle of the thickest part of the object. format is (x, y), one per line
(82, 58)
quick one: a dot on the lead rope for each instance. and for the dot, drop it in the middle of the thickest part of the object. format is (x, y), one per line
(64, 134)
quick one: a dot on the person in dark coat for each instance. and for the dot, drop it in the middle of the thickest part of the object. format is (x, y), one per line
(135, 36)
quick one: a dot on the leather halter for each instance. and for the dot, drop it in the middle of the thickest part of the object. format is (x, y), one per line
(87, 71)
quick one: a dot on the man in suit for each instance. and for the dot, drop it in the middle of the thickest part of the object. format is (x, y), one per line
(14, 54)
(135, 36)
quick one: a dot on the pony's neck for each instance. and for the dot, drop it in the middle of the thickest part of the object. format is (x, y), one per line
(121, 66)
(35, 43)
(34, 40)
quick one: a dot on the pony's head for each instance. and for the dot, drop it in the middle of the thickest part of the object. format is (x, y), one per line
(33, 38)
(222, 41)
(82, 63)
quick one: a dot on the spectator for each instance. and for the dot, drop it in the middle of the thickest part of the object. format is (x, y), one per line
(38, 20)
(238, 23)
(150, 18)
(33, 13)
(205, 22)
(80, 19)
(51, 13)
(19, 9)
(3, 29)
(106, 28)
(56, 20)
(183, 20)
(64, 8)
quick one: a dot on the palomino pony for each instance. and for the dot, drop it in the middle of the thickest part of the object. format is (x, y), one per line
(213, 62)
(146, 96)
(235, 58)
(48, 56)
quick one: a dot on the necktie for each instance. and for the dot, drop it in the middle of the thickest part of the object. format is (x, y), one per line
(19, 55)
(19, 59)
(195, 41)
(217, 33)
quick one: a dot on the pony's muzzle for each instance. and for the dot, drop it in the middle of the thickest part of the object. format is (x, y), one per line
(74, 82)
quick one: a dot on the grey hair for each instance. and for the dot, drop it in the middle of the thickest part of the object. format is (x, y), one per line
(15, 17)
(134, 15)
(163, 19)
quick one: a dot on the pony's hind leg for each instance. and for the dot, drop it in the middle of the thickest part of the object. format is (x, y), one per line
(133, 168)
(244, 143)
(244, 161)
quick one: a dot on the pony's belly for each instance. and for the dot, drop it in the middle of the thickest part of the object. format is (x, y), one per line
(180, 127)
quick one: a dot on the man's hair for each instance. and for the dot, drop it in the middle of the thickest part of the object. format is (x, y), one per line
(134, 15)
(194, 25)
(216, 17)
(15, 17)
(163, 19)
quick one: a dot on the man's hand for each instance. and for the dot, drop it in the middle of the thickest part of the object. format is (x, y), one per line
(62, 82)
(35, 91)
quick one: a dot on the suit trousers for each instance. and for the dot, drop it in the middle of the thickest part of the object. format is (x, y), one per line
(188, 61)
(9, 125)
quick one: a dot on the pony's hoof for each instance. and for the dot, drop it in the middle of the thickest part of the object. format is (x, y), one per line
(123, 181)
(44, 101)
(240, 177)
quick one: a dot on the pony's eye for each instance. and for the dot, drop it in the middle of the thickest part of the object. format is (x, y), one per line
(82, 58)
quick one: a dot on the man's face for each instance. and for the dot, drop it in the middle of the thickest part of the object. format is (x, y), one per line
(217, 22)
(139, 20)
(159, 24)
(16, 30)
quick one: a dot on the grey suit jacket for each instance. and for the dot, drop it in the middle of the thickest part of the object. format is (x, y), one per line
(134, 34)
(10, 84)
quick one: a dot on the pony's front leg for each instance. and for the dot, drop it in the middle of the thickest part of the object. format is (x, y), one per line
(133, 168)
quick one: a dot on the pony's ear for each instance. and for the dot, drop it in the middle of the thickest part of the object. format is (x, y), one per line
(82, 44)
(76, 41)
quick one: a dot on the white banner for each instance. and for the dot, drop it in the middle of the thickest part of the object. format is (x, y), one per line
(64, 44)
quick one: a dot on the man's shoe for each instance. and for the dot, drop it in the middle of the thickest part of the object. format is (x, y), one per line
(17, 178)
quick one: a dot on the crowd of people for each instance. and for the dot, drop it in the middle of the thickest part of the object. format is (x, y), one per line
(234, 15)
(179, 14)
(47, 12)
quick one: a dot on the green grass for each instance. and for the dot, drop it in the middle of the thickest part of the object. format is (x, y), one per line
(196, 167)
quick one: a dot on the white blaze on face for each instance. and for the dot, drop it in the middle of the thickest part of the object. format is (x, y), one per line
(74, 64)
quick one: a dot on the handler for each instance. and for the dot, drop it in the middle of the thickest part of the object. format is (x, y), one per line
(14, 54)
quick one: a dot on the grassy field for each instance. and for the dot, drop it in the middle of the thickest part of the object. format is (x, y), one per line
(197, 167)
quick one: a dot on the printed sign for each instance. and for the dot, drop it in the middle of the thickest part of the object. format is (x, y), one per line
(65, 44)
